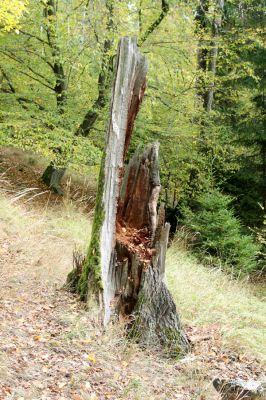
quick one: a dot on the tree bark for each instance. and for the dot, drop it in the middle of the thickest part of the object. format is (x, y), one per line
(164, 10)
(103, 86)
(202, 51)
(60, 87)
(239, 389)
(216, 27)
(263, 156)
(104, 79)
(208, 53)
(124, 269)
(138, 262)
(53, 175)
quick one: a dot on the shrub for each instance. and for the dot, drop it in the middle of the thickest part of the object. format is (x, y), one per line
(261, 239)
(219, 234)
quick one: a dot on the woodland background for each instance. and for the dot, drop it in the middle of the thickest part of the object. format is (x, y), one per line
(204, 103)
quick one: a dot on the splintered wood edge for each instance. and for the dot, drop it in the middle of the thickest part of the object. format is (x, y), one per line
(128, 89)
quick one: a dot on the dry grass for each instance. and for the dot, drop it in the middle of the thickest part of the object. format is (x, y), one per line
(20, 178)
(206, 297)
(36, 254)
(54, 335)
(44, 239)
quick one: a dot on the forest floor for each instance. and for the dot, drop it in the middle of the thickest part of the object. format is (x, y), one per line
(51, 348)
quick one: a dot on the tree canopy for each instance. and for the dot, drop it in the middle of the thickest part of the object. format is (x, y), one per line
(204, 100)
(10, 13)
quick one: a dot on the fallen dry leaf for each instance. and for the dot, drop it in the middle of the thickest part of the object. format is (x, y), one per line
(76, 397)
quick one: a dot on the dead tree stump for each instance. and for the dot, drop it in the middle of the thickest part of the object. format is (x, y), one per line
(52, 177)
(124, 269)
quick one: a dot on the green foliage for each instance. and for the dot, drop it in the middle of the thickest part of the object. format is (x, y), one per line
(217, 234)
(260, 233)
(241, 106)
(10, 13)
(47, 136)
(169, 105)
(66, 45)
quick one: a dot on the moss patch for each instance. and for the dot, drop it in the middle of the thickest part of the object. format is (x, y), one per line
(90, 282)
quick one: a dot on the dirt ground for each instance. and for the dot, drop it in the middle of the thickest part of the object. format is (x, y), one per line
(51, 348)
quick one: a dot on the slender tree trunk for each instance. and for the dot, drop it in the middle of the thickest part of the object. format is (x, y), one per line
(104, 80)
(202, 51)
(164, 11)
(124, 269)
(103, 86)
(216, 26)
(53, 175)
(263, 156)
(208, 52)
(60, 87)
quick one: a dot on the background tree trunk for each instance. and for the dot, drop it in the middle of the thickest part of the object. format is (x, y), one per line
(60, 88)
(124, 269)
(208, 51)
(104, 79)
(53, 175)
(216, 27)
(105, 76)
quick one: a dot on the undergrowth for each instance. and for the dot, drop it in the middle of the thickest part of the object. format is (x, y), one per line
(207, 296)
(218, 236)
(203, 296)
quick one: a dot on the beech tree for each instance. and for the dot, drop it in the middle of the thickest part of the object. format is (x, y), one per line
(105, 75)
(53, 175)
(10, 13)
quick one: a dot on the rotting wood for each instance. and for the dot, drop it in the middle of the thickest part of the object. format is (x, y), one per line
(124, 269)
(142, 298)
(52, 177)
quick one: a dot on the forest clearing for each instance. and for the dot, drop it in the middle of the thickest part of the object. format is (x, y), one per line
(58, 350)
(132, 200)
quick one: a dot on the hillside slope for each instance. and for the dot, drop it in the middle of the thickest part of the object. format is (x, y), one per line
(208, 298)
(51, 348)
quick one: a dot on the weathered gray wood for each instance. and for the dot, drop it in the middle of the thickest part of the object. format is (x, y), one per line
(126, 259)
(128, 89)
(238, 389)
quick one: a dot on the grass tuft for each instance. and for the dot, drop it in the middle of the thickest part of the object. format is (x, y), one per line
(206, 296)
(203, 296)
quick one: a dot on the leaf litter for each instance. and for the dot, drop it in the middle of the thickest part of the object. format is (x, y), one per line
(51, 348)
